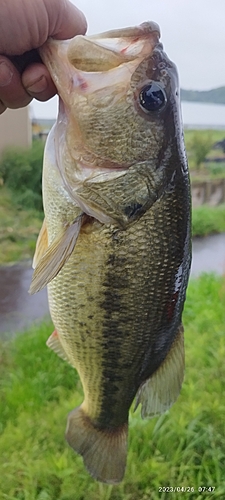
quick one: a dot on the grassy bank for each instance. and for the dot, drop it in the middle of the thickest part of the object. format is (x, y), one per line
(183, 448)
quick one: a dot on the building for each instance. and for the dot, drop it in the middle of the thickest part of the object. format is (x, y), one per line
(15, 128)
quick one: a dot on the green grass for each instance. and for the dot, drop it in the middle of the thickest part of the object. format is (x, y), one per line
(205, 170)
(215, 135)
(19, 229)
(21, 172)
(211, 135)
(208, 220)
(215, 170)
(185, 447)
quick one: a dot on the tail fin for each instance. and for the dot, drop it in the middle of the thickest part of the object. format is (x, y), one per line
(104, 450)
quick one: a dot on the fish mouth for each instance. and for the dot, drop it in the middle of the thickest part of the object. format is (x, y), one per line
(93, 73)
(74, 64)
(111, 49)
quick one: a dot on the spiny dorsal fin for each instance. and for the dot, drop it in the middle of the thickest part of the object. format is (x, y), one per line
(162, 389)
(41, 245)
(55, 256)
(55, 344)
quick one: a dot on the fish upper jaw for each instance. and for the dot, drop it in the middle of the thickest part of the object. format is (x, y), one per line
(111, 49)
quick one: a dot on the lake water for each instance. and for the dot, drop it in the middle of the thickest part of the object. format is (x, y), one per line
(195, 115)
(201, 115)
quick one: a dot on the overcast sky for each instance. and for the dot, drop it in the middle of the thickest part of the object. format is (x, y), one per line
(192, 32)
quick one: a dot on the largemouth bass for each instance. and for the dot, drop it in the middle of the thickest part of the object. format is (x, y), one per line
(114, 249)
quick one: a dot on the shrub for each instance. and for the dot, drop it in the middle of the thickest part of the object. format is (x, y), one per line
(200, 145)
(21, 171)
(208, 220)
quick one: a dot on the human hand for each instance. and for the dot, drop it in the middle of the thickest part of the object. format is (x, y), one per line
(24, 26)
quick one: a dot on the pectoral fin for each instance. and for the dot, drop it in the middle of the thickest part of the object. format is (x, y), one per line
(56, 256)
(162, 389)
(41, 245)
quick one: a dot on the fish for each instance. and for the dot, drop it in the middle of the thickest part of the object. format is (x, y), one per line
(115, 247)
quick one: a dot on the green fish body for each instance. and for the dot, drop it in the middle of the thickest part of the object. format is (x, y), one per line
(114, 249)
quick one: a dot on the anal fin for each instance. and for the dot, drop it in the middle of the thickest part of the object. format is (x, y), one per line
(162, 389)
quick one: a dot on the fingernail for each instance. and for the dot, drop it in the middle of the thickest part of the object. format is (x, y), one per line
(6, 74)
(38, 85)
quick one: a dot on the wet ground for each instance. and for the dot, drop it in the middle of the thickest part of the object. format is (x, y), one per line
(208, 255)
(18, 309)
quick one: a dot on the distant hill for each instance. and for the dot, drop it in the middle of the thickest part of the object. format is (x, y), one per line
(214, 96)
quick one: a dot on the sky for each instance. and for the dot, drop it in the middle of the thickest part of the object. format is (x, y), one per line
(192, 32)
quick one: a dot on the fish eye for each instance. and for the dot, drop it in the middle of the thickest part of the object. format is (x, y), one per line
(152, 97)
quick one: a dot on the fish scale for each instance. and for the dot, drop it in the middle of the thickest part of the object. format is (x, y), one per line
(114, 249)
(116, 285)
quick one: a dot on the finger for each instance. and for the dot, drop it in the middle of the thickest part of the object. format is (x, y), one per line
(2, 108)
(26, 24)
(12, 93)
(70, 20)
(38, 83)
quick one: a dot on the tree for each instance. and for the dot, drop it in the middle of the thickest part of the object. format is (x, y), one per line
(200, 146)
